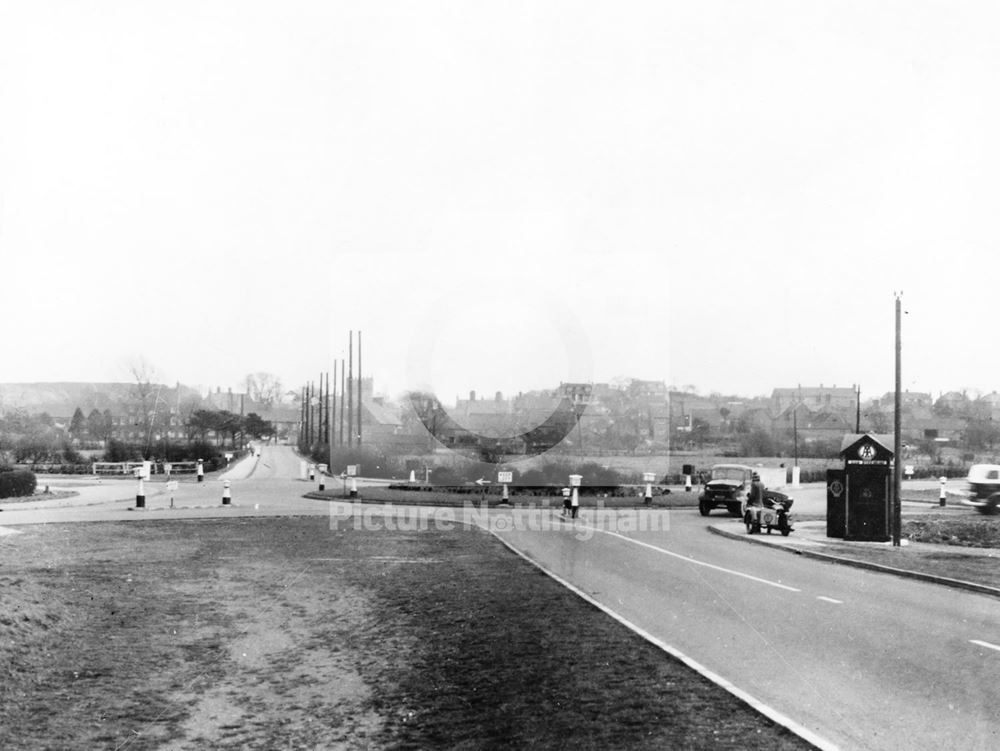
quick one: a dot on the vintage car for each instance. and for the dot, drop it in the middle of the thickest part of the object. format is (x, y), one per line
(728, 487)
(984, 488)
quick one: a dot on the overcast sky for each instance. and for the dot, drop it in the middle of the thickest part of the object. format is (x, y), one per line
(501, 196)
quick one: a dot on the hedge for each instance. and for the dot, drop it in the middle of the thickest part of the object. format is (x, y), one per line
(16, 483)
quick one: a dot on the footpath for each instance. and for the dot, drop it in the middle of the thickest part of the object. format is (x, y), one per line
(914, 560)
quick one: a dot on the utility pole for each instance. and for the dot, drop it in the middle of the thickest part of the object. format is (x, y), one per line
(350, 388)
(857, 419)
(302, 419)
(319, 410)
(795, 433)
(333, 413)
(329, 424)
(897, 466)
(309, 393)
(341, 402)
(359, 389)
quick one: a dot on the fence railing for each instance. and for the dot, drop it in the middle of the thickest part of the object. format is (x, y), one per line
(156, 468)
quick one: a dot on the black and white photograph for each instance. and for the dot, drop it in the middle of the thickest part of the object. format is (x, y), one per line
(422, 374)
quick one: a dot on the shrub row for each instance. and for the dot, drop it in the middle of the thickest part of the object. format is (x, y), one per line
(15, 483)
(58, 469)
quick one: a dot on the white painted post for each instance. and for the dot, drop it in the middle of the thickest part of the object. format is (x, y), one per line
(687, 483)
(226, 497)
(201, 471)
(796, 476)
(943, 498)
(140, 495)
(574, 483)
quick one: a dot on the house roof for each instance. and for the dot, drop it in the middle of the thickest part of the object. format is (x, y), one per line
(814, 391)
(382, 414)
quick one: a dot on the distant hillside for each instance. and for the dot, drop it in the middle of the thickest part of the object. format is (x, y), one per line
(60, 400)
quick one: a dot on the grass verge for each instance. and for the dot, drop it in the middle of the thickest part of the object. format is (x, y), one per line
(282, 633)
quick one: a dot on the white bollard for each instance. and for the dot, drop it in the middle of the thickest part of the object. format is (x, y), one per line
(943, 498)
(648, 478)
(413, 475)
(226, 498)
(354, 487)
(796, 476)
(140, 496)
(687, 483)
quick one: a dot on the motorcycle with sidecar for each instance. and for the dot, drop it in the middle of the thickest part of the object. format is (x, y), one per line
(773, 513)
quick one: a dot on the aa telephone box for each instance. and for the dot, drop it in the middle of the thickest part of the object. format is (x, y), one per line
(862, 492)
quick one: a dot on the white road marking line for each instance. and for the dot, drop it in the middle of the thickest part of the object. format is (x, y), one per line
(830, 599)
(697, 562)
(985, 644)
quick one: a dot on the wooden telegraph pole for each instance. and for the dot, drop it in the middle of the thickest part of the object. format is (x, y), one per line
(350, 388)
(359, 389)
(897, 467)
(302, 419)
(341, 401)
(333, 412)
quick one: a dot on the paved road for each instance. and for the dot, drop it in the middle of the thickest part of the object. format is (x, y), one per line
(864, 660)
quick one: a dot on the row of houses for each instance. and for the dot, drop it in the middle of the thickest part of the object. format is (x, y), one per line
(621, 415)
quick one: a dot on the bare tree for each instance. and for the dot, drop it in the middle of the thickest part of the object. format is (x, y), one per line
(146, 402)
(263, 388)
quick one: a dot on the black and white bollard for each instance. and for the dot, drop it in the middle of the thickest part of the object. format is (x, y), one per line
(140, 496)
(943, 498)
(687, 483)
(574, 501)
(201, 471)
(354, 487)
(226, 497)
(648, 478)
(322, 481)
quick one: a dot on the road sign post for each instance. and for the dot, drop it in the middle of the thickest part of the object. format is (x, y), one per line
(574, 502)
(506, 478)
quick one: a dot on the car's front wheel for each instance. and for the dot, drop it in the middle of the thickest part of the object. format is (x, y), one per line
(703, 508)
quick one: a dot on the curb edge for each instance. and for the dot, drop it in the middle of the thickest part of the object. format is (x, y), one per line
(982, 589)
